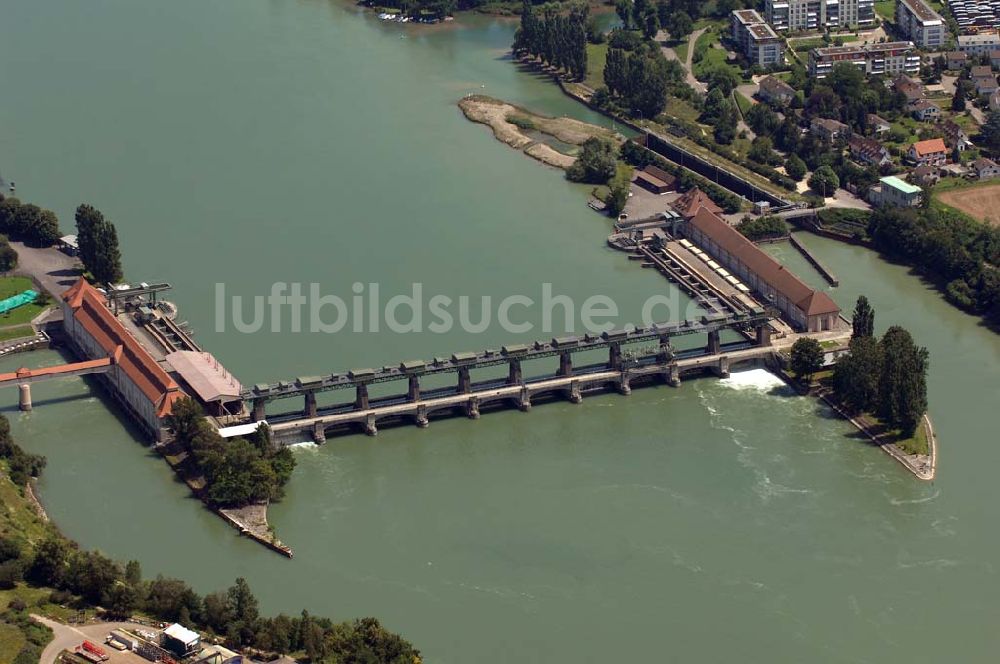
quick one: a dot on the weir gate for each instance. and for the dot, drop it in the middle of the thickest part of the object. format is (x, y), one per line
(659, 361)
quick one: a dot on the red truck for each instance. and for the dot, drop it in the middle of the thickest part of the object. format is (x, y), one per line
(95, 649)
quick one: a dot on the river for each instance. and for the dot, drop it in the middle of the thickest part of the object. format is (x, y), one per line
(248, 142)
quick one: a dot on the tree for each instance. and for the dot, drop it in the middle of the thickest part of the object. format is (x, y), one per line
(650, 23)
(863, 321)
(8, 257)
(846, 80)
(795, 168)
(624, 10)
(761, 150)
(961, 92)
(806, 358)
(48, 568)
(98, 242)
(596, 163)
(856, 375)
(902, 385)
(723, 78)
(726, 123)
(242, 603)
(989, 134)
(824, 181)
(617, 196)
(762, 119)
(680, 26)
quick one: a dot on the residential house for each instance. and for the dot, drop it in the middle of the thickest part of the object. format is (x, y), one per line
(980, 70)
(831, 130)
(955, 136)
(925, 111)
(911, 89)
(980, 43)
(986, 169)
(772, 89)
(925, 175)
(956, 60)
(932, 151)
(893, 192)
(995, 59)
(869, 151)
(877, 125)
(995, 101)
(985, 84)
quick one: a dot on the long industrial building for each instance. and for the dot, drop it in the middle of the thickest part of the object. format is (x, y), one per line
(804, 307)
(139, 382)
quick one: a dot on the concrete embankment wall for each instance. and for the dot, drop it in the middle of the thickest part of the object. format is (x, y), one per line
(815, 262)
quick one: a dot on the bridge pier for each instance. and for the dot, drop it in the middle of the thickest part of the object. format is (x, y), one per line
(24, 396)
(361, 400)
(258, 410)
(472, 408)
(624, 385)
(421, 417)
(674, 377)
(615, 356)
(524, 401)
(713, 343)
(514, 375)
(722, 370)
(413, 390)
(573, 392)
(370, 427)
(310, 409)
(464, 381)
(319, 433)
(565, 364)
(763, 335)
(665, 348)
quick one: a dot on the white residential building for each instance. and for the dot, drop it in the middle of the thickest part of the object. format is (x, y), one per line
(921, 24)
(984, 42)
(758, 42)
(888, 59)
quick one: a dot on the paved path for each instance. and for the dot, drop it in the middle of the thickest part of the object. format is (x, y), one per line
(68, 637)
(671, 54)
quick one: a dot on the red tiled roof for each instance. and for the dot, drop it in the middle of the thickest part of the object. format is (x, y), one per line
(89, 310)
(929, 146)
(811, 302)
(695, 199)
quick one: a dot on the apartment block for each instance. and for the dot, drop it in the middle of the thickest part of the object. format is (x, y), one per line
(888, 59)
(921, 24)
(758, 42)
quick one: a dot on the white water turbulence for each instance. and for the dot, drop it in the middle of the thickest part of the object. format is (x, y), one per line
(753, 379)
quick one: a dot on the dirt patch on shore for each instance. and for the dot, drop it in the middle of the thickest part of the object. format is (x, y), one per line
(509, 124)
(983, 203)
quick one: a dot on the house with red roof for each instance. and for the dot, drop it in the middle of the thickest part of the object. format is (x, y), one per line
(932, 151)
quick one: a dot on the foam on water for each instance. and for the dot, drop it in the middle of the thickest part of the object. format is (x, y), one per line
(752, 379)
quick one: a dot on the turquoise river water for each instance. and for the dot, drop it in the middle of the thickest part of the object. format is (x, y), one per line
(250, 142)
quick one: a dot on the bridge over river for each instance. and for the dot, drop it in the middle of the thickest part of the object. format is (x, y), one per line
(657, 360)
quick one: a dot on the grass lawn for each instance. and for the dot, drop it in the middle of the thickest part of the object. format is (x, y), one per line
(12, 286)
(597, 54)
(682, 51)
(886, 9)
(11, 642)
(742, 102)
(712, 57)
(16, 332)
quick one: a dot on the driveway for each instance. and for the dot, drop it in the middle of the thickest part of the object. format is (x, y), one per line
(68, 637)
(53, 269)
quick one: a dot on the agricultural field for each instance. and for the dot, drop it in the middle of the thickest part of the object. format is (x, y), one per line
(981, 203)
